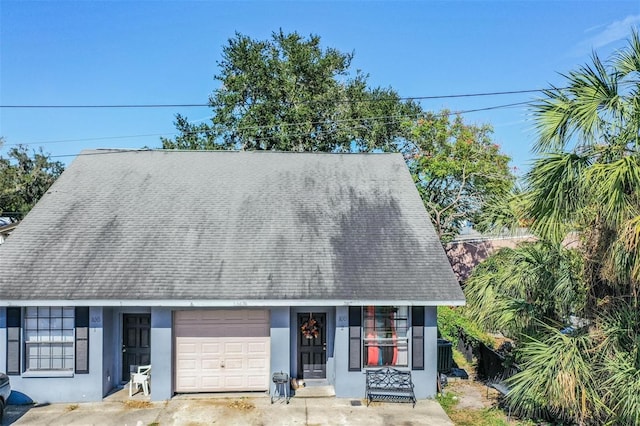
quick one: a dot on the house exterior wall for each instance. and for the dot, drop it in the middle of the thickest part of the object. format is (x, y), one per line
(72, 388)
(348, 384)
(105, 357)
(351, 384)
(425, 381)
(109, 363)
(280, 340)
(161, 354)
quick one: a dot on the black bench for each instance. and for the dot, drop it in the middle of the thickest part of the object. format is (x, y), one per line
(389, 384)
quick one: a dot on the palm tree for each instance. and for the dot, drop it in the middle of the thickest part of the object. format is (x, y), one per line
(586, 183)
(588, 178)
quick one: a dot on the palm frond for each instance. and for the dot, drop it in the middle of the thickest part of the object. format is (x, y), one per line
(615, 186)
(594, 94)
(552, 123)
(627, 60)
(621, 388)
(502, 213)
(582, 110)
(557, 376)
(517, 289)
(558, 192)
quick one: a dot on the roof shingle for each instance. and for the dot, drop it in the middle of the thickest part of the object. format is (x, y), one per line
(234, 226)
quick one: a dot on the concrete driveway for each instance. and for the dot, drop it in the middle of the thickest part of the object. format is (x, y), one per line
(207, 410)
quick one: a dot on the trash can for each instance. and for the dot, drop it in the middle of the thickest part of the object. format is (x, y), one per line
(445, 356)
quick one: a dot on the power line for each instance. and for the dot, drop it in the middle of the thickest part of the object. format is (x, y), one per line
(191, 105)
(392, 118)
(248, 128)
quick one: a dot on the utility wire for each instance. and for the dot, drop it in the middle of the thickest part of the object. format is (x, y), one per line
(359, 120)
(391, 118)
(190, 105)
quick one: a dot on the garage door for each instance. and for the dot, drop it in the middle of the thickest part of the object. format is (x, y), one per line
(222, 350)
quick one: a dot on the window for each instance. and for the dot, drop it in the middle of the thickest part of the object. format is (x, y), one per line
(49, 338)
(385, 336)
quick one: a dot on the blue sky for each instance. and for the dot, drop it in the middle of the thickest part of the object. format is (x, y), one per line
(150, 52)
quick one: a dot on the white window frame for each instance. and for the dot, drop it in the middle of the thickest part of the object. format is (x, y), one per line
(49, 339)
(379, 335)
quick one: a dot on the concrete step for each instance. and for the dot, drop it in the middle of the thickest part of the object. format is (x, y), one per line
(325, 391)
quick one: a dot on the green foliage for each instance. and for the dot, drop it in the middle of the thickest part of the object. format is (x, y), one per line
(448, 401)
(618, 337)
(473, 417)
(588, 179)
(289, 94)
(558, 193)
(517, 290)
(24, 179)
(457, 169)
(557, 376)
(451, 320)
(484, 417)
(582, 197)
(504, 212)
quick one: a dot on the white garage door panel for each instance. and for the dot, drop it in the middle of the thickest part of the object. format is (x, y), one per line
(187, 382)
(256, 364)
(210, 382)
(220, 350)
(231, 348)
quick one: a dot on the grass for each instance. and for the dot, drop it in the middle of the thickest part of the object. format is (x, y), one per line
(475, 417)
(72, 407)
(489, 416)
(448, 402)
(484, 417)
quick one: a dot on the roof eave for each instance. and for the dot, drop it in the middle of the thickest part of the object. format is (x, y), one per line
(202, 303)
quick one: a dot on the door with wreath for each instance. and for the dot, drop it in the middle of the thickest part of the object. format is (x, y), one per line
(312, 346)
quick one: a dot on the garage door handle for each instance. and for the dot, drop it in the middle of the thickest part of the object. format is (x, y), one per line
(222, 364)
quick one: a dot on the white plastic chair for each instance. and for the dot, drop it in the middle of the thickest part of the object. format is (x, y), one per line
(141, 378)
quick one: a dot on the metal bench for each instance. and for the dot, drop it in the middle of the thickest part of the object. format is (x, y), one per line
(389, 384)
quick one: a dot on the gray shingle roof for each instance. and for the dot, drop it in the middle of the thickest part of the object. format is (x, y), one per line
(228, 226)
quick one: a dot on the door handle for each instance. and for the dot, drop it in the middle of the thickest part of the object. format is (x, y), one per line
(222, 364)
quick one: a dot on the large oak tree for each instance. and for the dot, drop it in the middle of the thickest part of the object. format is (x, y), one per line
(288, 93)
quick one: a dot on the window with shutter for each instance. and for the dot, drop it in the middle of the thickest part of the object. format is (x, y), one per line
(385, 341)
(49, 338)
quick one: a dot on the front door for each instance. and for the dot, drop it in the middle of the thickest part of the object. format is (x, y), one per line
(312, 346)
(136, 343)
